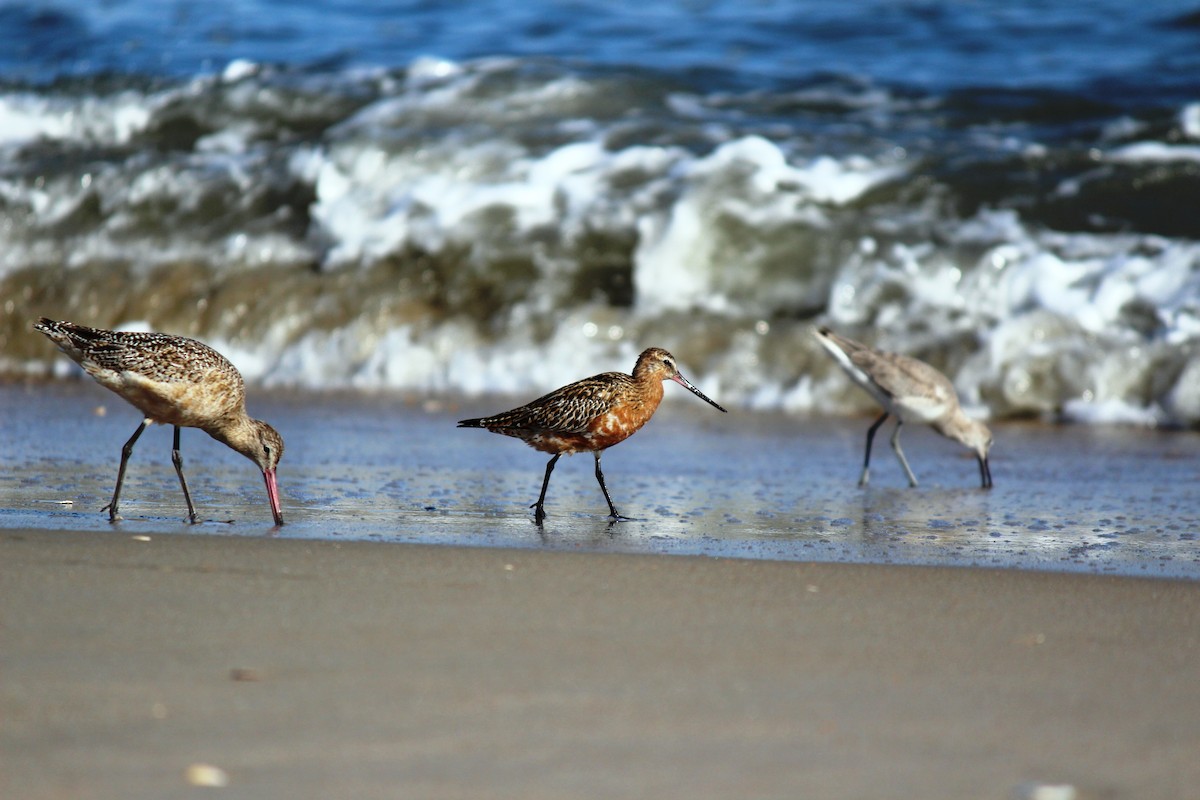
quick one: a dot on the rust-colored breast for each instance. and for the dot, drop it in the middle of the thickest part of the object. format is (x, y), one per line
(585, 416)
(618, 424)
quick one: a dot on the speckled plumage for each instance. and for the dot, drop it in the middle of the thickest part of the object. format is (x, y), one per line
(914, 392)
(175, 381)
(590, 415)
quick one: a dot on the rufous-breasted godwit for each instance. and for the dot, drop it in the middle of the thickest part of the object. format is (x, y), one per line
(914, 392)
(590, 415)
(172, 381)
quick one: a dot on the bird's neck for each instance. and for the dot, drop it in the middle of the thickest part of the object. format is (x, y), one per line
(955, 425)
(239, 433)
(649, 390)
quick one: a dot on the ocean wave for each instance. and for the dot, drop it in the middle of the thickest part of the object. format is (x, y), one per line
(508, 225)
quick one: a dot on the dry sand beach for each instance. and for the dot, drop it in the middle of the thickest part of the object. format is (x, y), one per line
(764, 628)
(322, 669)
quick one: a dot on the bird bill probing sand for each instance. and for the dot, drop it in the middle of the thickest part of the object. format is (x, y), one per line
(590, 415)
(175, 381)
(914, 392)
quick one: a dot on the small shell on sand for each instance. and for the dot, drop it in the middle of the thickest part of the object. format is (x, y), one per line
(206, 775)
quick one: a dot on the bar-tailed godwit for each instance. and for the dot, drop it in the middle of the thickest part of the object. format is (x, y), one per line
(172, 381)
(590, 415)
(914, 392)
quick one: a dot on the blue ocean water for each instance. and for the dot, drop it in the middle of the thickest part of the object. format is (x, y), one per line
(933, 44)
(487, 197)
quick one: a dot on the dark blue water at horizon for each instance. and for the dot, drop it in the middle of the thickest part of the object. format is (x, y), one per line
(1109, 45)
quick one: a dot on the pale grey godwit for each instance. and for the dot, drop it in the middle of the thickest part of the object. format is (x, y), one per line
(172, 381)
(590, 415)
(914, 392)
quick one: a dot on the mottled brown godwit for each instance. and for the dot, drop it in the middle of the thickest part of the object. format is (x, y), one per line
(914, 392)
(172, 381)
(590, 415)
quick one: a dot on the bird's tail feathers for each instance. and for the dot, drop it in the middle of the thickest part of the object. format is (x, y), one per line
(66, 332)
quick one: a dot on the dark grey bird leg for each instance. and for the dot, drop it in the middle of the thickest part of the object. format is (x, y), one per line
(612, 510)
(866, 473)
(177, 460)
(126, 451)
(539, 512)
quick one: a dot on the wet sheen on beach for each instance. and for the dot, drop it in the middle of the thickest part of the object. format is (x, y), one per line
(1105, 500)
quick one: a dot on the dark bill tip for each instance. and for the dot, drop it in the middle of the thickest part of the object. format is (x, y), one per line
(685, 383)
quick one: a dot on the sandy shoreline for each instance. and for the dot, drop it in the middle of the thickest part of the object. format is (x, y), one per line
(382, 670)
(1101, 500)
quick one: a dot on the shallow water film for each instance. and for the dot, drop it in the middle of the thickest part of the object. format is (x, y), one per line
(1094, 499)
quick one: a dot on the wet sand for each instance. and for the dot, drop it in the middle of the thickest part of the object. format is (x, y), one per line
(366, 670)
(383, 467)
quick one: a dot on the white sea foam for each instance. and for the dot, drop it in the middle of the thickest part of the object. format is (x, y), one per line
(372, 201)
(682, 260)
(1155, 152)
(451, 357)
(1189, 120)
(239, 69)
(26, 118)
(1110, 412)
